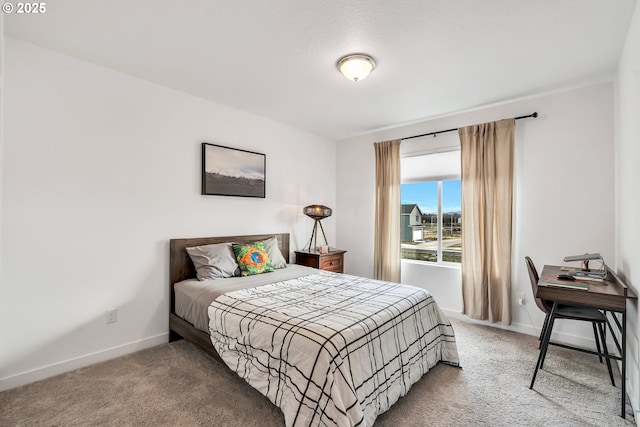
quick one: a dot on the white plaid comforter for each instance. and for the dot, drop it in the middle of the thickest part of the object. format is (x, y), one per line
(331, 349)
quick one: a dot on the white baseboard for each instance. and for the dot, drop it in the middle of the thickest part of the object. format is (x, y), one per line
(45, 372)
(575, 340)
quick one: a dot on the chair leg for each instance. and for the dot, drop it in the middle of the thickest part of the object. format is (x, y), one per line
(545, 343)
(603, 336)
(548, 332)
(542, 331)
(595, 334)
(613, 334)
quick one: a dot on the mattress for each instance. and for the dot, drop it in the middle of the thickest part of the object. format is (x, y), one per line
(193, 297)
(331, 349)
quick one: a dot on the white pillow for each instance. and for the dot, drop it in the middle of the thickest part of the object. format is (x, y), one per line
(275, 256)
(216, 261)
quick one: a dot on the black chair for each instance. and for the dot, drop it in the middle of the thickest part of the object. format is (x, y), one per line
(597, 318)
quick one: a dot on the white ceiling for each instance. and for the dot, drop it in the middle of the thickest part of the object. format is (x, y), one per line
(277, 58)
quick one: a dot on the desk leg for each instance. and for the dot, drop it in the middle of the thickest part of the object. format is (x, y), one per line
(624, 364)
(545, 342)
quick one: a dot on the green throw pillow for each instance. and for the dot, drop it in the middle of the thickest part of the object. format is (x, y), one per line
(252, 258)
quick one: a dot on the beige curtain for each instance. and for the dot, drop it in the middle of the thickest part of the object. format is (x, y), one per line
(487, 193)
(386, 247)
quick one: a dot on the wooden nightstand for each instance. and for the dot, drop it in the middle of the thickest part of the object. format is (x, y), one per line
(331, 261)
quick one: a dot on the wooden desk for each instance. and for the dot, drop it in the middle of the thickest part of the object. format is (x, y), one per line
(610, 296)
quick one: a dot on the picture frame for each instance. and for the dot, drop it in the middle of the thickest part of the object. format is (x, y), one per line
(228, 171)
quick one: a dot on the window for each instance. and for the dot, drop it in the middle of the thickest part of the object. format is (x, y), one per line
(431, 208)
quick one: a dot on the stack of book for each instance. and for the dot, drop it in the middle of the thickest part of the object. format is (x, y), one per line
(590, 275)
(562, 283)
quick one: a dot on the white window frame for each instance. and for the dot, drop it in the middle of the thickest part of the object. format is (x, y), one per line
(440, 227)
(441, 175)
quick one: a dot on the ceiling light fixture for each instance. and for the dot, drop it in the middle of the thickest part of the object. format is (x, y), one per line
(356, 67)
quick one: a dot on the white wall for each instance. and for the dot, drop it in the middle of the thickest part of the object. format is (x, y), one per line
(1, 128)
(627, 157)
(99, 171)
(564, 195)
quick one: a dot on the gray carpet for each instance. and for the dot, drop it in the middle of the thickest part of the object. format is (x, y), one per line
(178, 385)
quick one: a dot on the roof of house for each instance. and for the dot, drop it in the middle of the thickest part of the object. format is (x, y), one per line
(408, 208)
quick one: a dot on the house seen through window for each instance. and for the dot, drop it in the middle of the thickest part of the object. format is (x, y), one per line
(431, 217)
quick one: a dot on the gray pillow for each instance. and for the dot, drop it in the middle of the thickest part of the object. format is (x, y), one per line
(216, 261)
(275, 256)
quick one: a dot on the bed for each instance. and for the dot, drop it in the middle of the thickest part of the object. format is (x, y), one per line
(326, 348)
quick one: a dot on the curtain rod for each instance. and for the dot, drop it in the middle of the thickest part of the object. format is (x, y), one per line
(534, 115)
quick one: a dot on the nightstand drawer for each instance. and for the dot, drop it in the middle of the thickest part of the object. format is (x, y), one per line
(332, 263)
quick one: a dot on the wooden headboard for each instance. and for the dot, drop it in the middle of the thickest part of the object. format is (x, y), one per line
(181, 267)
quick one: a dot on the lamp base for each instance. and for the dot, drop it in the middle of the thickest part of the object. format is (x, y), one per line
(314, 238)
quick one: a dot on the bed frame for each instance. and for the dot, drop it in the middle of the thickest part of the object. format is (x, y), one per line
(181, 268)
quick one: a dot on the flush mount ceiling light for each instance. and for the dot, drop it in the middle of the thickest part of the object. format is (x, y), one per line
(356, 67)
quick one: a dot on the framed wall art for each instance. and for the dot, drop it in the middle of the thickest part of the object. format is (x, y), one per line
(230, 171)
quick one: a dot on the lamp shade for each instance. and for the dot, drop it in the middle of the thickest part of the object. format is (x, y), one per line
(356, 67)
(317, 211)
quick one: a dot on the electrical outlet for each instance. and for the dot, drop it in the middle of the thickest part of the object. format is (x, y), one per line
(520, 299)
(111, 316)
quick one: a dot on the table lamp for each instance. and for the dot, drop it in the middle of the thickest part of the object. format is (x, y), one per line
(318, 213)
(586, 271)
